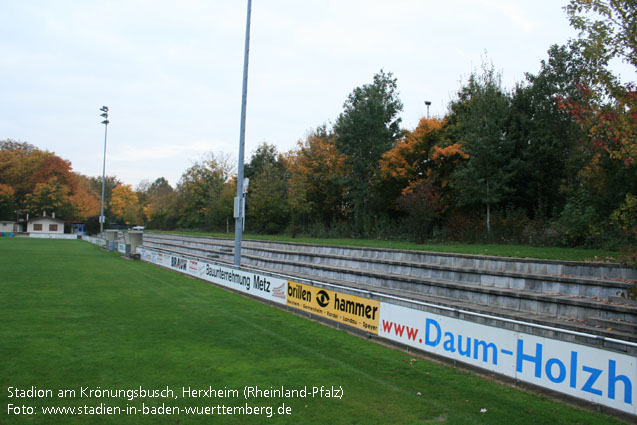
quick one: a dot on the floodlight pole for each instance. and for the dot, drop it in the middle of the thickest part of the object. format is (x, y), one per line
(104, 114)
(239, 200)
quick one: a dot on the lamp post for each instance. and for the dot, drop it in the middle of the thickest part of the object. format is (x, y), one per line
(16, 227)
(240, 200)
(104, 115)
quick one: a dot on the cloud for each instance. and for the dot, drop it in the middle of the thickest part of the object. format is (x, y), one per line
(164, 151)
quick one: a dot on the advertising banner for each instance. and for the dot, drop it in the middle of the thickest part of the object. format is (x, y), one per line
(593, 374)
(52, 236)
(359, 312)
(589, 373)
(259, 285)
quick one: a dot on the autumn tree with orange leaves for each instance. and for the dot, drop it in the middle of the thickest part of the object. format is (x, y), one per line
(34, 181)
(125, 205)
(316, 190)
(409, 161)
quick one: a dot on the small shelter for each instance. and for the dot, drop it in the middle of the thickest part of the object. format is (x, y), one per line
(8, 227)
(46, 224)
(78, 229)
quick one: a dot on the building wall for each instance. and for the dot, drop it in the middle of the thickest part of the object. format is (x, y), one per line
(45, 225)
(7, 226)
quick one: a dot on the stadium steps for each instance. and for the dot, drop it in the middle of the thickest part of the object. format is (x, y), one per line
(574, 294)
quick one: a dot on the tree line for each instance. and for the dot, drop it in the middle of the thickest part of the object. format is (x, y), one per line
(550, 161)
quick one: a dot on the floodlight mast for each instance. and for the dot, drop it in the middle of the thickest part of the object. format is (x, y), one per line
(239, 210)
(104, 115)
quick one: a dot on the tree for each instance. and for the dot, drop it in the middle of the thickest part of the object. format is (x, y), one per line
(198, 186)
(41, 180)
(159, 204)
(125, 204)
(607, 28)
(409, 160)
(110, 183)
(7, 202)
(266, 203)
(368, 127)
(317, 169)
(263, 155)
(84, 201)
(549, 143)
(10, 145)
(415, 176)
(22, 166)
(607, 115)
(52, 196)
(266, 206)
(480, 117)
(222, 205)
(604, 107)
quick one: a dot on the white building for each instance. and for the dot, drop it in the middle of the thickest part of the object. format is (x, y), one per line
(45, 225)
(8, 227)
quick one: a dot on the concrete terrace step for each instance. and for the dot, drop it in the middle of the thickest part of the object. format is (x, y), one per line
(620, 325)
(592, 270)
(583, 286)
(564, 285)
(557, 305)
(572, 298)
(515, 314)
(587, 326)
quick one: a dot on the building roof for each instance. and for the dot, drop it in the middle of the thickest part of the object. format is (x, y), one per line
(46, 218)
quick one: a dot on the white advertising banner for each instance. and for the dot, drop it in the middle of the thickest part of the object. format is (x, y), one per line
(52, 236)
(593, 374)
(93, 240)
(600, 376)
(262, 286)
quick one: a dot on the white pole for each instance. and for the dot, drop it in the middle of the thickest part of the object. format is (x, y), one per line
(239, 200)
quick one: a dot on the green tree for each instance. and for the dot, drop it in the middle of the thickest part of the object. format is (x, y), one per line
(368, 126)
(549, 143)
(264, 154)
(266, 206)
(480, 118)
(198, 187)
(7, 202)
(222, 206)
(158, 200)
(605, 109)
(607, 29)
(266, 203)
(52, 197)
(110, 183)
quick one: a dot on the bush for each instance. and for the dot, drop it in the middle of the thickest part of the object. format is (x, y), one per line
(576, 222)
(624, 219)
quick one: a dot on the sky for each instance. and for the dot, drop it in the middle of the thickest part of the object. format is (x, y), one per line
(171, 71)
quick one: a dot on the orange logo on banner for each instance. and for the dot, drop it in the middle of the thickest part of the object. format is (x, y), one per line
(355, 311)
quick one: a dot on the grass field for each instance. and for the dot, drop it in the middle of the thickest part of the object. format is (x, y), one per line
(74, 316)
(502, 250)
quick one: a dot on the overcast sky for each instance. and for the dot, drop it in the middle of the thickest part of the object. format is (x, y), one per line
(171, 71)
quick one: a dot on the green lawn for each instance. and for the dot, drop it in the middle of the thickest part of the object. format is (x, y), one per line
(74, 316)
(518, 251)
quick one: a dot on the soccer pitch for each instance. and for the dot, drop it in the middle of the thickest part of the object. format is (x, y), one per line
(88, 337)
